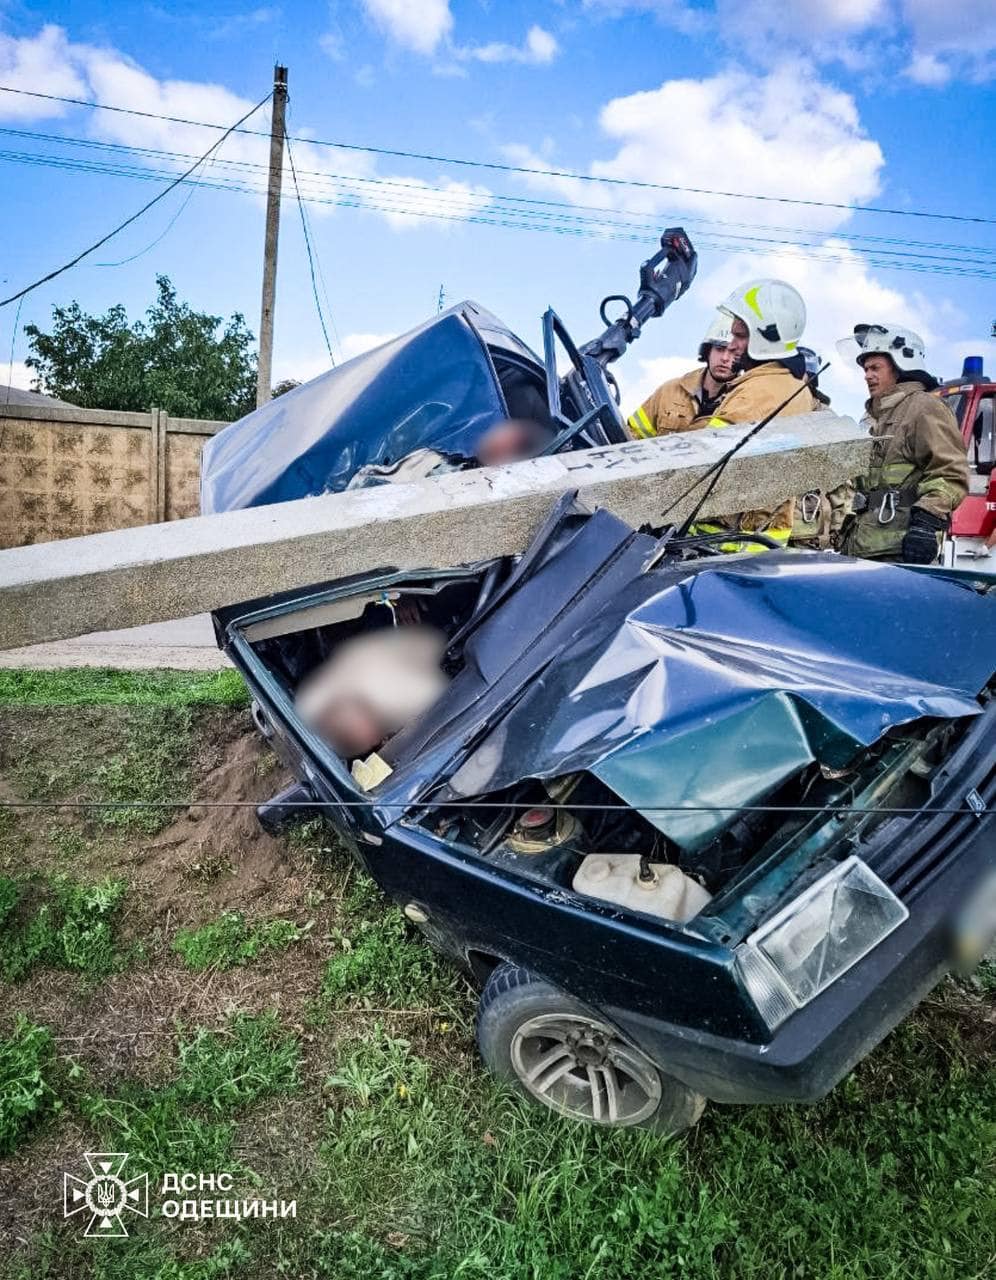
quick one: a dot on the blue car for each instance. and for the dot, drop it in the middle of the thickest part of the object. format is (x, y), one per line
(700, 826)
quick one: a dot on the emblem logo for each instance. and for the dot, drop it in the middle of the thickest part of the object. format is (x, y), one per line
(106, 1196)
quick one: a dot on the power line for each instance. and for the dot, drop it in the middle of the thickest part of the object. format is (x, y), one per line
(497, 166)
(831, 809)
(307, 245)
(75, 140)
(135, 216)
(521, 219)
(121, 262)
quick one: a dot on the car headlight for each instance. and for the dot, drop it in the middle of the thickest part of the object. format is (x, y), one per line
(807, 945)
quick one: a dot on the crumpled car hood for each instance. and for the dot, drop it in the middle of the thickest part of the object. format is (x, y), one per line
(711, 688)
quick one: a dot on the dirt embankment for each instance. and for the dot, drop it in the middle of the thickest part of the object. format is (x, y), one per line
(211, 857)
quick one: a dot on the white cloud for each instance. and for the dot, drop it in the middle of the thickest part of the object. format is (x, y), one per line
(426, 27)
(840, 290)
(538, 48)
(735, 132)
(16, 375)
(958, 35)
(927, 69)
(765, 27)
(333, 46)
(929, 40)
(419, 25)
(356, 344)
(41, 63)
(52, 63)
(682, 16)
(412, 202)
(806, 19)
(647, 375)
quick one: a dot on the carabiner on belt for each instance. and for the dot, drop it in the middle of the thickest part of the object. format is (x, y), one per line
(810, 506)
(887, 507)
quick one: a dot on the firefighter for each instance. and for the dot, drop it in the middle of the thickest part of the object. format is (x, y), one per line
(767, 318)
(675, 405)
(918, 472)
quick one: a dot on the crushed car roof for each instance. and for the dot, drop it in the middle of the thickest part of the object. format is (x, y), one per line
(707, 683)
(434, 387)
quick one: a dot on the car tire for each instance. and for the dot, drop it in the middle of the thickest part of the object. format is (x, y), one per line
(557, 1053)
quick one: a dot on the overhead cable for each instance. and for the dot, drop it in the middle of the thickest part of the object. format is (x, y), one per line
(526, 170)
(423, 202)
(307, 245)
(58, 271)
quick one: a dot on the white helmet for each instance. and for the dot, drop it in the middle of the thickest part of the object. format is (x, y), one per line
(903, 347)
(775, 316)
(718, 334)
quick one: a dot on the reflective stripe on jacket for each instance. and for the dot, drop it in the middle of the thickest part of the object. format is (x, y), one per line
(918, 457)
(672, 407)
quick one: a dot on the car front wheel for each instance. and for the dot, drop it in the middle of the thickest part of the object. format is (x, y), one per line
(557, 1053)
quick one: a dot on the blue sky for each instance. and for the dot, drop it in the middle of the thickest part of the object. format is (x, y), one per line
(856, 102)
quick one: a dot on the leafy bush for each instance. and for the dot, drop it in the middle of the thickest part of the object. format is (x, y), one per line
(26, 1095)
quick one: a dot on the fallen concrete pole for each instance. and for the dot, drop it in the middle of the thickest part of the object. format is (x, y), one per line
(56, 590)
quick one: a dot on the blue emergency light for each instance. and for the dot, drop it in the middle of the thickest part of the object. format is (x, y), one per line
(971, 370)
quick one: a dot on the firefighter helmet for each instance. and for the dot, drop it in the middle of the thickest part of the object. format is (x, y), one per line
(903, 347)
(775, 316)
(718, 334)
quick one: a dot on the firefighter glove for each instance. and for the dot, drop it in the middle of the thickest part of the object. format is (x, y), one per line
(920, 541)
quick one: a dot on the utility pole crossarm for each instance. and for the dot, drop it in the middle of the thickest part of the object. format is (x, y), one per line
(264, 373)
(56, 590)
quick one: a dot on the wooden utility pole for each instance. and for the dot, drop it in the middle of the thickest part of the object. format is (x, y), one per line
(265, 367)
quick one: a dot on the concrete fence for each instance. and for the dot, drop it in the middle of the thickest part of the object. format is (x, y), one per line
(67, 471)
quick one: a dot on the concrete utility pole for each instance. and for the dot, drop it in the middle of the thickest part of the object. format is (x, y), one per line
(54, 590)
(265, 366)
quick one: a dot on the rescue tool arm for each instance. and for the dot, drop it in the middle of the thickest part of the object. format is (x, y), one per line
(663, 279)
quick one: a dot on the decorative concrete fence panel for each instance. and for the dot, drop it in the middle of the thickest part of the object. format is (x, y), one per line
(66, 471)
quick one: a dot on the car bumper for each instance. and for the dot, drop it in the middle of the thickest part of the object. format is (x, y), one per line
(818, 1045)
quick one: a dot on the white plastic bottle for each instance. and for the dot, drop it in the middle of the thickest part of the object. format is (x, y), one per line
(615, 877)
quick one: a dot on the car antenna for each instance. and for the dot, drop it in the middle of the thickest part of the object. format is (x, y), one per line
(716, 470)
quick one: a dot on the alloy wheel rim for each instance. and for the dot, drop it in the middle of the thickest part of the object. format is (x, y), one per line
(581, 1068)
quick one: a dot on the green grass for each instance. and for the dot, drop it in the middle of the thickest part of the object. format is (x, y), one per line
(381, 961)
(58, 923)
(26, 1092)
(231, 940)
(140, 754)
(408, 1161)
(187, 1124)
(152, 767)
(859, 1186)
(101, 686)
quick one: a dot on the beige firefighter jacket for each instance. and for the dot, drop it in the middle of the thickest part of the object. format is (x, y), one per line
(918, 459)
(672, 407)
(749, 399)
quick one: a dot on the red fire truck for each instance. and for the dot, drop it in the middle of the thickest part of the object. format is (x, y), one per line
(972, 398)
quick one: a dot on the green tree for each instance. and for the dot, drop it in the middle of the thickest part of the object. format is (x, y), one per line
(174, 359)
